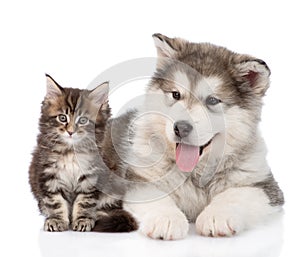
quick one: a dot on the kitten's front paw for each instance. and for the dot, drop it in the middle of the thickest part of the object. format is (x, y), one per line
(218, 222)
(55, 225)
(166, 226)
(83, 224)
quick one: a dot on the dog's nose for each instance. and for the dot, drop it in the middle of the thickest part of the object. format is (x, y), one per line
(182, 128)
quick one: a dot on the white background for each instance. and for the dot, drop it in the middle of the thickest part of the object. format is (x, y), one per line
(74, 41)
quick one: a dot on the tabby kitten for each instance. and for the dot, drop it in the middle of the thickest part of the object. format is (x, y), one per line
(67, 174)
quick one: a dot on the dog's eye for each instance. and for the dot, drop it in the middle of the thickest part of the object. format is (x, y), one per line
(176, 95)
(62, 118)
(211, 100)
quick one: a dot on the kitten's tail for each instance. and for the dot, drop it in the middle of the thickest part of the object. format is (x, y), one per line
(117, 220)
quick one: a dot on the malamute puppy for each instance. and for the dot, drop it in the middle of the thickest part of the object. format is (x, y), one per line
(196, 151)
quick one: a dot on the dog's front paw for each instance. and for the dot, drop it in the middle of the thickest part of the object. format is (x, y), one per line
(166, 226)
(83, 224)
(218, 222)
(55, 225)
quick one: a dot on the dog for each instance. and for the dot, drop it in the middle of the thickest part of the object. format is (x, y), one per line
(194, 152)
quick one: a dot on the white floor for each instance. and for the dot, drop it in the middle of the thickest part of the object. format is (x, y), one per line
(276, 238)
(265, 241)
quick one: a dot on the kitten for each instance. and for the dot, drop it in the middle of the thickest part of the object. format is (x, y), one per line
(67, 175)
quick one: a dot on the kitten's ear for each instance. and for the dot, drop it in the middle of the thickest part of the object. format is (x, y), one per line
(99, 95)
(167, 47)
(254, 73)
(53, 89)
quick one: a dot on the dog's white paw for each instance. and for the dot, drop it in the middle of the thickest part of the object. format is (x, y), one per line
(219, 221)
(165, 226)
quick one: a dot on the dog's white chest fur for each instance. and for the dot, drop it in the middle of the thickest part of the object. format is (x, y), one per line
(190, 199)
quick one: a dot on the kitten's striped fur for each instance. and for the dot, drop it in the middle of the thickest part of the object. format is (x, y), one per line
(67, 174)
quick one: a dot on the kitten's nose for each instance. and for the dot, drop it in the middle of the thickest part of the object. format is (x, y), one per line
(182, 128)
(70, 132)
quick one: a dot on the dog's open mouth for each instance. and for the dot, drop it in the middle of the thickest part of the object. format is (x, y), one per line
(187, 156)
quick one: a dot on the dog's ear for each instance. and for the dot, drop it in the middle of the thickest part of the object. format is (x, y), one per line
(167, 47)
(253, 73)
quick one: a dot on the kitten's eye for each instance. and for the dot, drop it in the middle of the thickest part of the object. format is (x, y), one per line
(62, 118)
(83, 120)
(176, 95)
(211, 100)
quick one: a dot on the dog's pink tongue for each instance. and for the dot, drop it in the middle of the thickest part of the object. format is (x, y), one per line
(187, 157)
